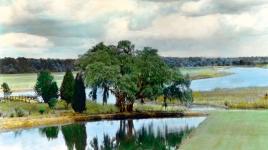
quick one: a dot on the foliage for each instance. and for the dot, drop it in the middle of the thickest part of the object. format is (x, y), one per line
(42, 110)
(45, 86)
(29, 65)
(179, 89)
(52, 103)
(128, 73)
(67, 87)
(6, 90)
(79, 99)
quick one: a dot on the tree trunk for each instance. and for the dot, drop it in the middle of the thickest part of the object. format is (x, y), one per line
(120, 101)
(130, 107)
(142, 101)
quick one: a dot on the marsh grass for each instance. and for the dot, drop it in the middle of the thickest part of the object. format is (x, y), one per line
(205, 72)
(258, 104)
(253, 95)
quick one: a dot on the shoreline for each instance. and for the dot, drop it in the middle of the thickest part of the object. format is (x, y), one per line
(9, 124)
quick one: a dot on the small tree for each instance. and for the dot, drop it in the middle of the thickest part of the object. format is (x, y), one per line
(6, 90)
(45, 86)
(79, 99)
(67, 88)
(179, 89)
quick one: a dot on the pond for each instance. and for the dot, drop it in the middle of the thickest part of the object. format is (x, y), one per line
(241, 77)
(155, 134)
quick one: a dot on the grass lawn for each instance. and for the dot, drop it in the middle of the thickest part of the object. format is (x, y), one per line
(230, 130)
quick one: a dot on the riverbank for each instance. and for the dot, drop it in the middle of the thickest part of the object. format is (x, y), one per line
(7, 124)
(240, 130)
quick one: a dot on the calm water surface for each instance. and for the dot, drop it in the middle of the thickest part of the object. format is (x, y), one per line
(242, 77)
(103, 135)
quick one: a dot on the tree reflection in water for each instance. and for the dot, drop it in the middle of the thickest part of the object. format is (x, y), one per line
(126, 137)
(50, 132)
(144, 138)
(75, 135)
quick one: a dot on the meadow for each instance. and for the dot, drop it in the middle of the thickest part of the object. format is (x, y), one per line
(20, 82)
(226, 130)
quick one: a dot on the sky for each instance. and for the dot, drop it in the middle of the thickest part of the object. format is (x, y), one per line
(177, 28)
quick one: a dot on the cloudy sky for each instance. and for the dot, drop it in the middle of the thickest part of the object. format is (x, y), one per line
(67, 28)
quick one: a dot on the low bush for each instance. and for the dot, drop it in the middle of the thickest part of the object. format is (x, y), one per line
(42, 110)
(52, 103)
(20, 112)
(11, 115)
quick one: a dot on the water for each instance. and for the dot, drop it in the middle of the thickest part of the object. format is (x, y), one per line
(125, 134)
(241, 77)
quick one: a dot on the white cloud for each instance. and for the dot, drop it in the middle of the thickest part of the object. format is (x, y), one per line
(23, 41)
(49, 25)
(168, 27)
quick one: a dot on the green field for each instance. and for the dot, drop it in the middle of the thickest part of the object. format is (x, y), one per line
(205, 72)
(231, 130)
(27, 81)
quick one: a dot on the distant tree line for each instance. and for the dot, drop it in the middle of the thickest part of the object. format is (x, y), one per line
(206, 61)
(30, 65)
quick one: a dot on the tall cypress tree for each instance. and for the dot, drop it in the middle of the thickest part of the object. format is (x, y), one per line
(79, 98)
(67, 87)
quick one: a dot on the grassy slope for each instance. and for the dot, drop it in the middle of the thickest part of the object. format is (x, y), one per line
(239, 130)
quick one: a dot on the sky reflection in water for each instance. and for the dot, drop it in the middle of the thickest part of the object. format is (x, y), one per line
(131, 134)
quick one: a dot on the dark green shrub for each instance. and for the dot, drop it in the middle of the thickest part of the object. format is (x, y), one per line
(42, 110)
(52, 103)
(11, 115)
(67, 88)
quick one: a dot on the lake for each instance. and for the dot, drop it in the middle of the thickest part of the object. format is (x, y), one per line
(118, 134)
(241, 77)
